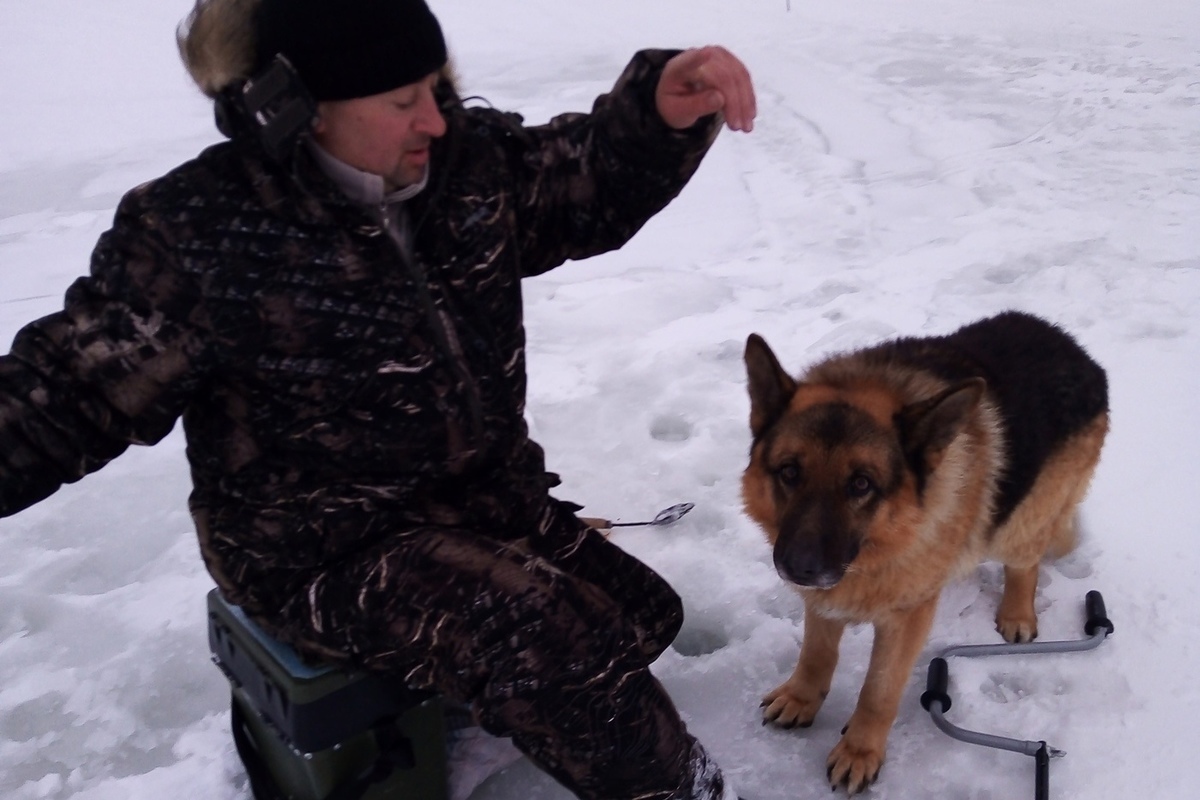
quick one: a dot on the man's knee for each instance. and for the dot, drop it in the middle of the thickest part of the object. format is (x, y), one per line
(561, 632)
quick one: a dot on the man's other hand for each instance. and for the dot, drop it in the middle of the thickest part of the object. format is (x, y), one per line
(703, 81)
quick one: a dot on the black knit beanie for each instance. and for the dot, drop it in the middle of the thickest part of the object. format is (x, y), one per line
(344, 49)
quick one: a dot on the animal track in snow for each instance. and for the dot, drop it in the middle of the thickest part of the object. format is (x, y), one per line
(1075, 565)
(670, 428)
(1030, 678)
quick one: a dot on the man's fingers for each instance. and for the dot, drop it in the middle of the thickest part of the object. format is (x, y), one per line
(717, 68)
(735, 84)
(710, 79)
(748, 101)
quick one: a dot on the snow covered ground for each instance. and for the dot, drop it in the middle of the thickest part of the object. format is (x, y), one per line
(915, 166)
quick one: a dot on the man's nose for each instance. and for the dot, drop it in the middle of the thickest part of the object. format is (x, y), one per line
(430, 120)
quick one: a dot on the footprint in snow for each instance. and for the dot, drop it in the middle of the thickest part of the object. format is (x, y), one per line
(670, 428)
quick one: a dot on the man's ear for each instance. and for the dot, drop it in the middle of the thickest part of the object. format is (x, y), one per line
(318, 120)
(927, 427)
(771, 388)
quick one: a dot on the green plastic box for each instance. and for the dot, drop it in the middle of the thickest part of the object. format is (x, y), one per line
(319, 728)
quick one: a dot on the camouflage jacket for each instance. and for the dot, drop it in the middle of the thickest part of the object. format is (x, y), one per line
(333, 391)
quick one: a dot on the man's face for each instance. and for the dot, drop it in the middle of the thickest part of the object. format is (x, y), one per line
(385, 134)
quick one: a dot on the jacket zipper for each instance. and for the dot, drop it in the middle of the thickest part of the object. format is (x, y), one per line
(443, 330)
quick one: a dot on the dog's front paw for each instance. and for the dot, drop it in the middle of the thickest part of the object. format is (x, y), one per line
(854, 763)
(1017, 628)
(789, 706)
(1016, 618)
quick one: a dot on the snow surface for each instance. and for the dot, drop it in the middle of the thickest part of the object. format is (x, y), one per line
(915, 166)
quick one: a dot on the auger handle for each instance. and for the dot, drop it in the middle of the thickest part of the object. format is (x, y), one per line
(1097, 614)
(937, 684)
(1041, 778)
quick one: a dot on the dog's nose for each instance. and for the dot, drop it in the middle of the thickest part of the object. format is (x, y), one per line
(804, 569)
(818, 563)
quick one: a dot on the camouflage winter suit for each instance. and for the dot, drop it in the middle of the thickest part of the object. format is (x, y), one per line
(364, 483)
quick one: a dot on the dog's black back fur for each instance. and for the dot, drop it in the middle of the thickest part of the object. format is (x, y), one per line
(1045, 387)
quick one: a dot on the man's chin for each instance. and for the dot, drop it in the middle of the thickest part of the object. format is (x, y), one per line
(405, 177)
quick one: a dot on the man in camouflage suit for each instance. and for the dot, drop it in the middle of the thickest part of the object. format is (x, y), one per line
(339, 325)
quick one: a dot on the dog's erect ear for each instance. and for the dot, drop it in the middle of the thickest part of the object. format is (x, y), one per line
(929, 426)
(771, 388)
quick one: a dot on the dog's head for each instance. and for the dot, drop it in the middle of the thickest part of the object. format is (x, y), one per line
(837, 470)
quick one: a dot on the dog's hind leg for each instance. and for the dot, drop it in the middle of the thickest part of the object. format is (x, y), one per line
(1042, 526)
(1016, 618)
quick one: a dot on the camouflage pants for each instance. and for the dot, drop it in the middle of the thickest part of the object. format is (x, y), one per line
(547, 638)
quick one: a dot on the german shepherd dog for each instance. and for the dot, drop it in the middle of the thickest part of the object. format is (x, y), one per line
(882, 474)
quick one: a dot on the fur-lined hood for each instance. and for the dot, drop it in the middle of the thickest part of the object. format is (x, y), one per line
(217, 45)
(216, 42)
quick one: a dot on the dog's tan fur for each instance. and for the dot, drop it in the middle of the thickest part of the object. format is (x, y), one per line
(919, 537)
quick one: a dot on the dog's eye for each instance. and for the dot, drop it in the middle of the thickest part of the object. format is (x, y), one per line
(860, 486)
(788, 474)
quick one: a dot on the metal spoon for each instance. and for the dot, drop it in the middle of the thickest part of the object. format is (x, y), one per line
(665, 517)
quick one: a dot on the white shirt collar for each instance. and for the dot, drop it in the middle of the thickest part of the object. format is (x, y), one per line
(362, 187)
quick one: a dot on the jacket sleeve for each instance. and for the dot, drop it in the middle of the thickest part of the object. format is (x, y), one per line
(115, 367)
(589, 182)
